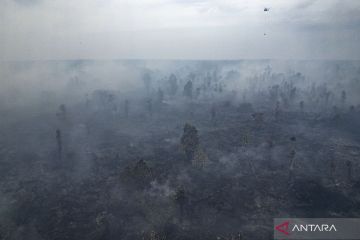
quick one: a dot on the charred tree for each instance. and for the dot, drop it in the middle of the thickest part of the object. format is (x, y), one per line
(62, 113)
(213, 114)
(200, 159)
(147, 82)
(277, 111)
(190, 141)
(160, 96)
(149, 106)
(188, 89)
(126, 108)
(292, 156)
(343, 98)
(301, 104)
(173, 85)
(349, 170)
(59, 144)
(181, 199)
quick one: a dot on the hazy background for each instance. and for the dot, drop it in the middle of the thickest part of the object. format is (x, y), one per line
(114, 124)
(179, 29)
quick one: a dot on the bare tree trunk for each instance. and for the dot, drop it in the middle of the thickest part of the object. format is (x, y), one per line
(59, 143)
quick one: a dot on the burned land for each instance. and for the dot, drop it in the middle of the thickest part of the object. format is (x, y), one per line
(176, 149)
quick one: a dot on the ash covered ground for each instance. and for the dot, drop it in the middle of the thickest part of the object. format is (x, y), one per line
(175, 149)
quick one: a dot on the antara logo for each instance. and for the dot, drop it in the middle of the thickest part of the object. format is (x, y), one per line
(314, 228)
(284, 228)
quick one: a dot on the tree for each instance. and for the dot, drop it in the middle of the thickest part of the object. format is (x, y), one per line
(126, 108)
(87, 101)
(147, 81)
(173, 85)
(149, 106)
(269, 159)
(301, 106)
(188, 89)
(343, 98)
(139, 175)
(200, 159)
(61, 114)
(277, 110)
(332, 161)
(190, 141)
(213, 113)
(352, 109)
(59, 143)
(181, 199)
(349, 170)
(292, 156)
(160, 96)
(258, 117)
(292, 94)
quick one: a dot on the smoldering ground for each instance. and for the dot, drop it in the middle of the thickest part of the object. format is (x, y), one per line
(175, 149)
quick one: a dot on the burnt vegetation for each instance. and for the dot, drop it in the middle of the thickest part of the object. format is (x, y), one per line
(199, 150)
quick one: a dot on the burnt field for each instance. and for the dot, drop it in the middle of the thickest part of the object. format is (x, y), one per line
(176, 150)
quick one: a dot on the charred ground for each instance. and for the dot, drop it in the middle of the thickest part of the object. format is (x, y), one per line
(186, 156)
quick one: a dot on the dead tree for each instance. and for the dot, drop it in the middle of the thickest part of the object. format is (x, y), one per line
(352, 109)
(332, 164)
(126, 108)
(149, 106)
(292, 164)
(213, 113)
(160, 96)
(248, 159)
(173, 85)
(154, 235)
(292, 156)
(332, 170)
(336, 114)
(147, 81)
(190, 141)
(343, 98)
(349, 170)
(62, 113)
(87, 101)
(188, 89)
(59, 143)
(181, 199)
(269, 148)
(258, 118)
(200, 159)
(277, 111)
(301, 106)
(251, 165)
(292, 94)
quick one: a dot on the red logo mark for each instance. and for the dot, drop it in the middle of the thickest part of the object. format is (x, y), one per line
(283, 228)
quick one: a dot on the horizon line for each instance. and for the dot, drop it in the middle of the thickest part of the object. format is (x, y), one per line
(181, 59)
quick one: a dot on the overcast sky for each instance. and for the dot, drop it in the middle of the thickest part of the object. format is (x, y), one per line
(179, 29)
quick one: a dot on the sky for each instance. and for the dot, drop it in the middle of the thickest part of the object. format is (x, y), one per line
(179, 29)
